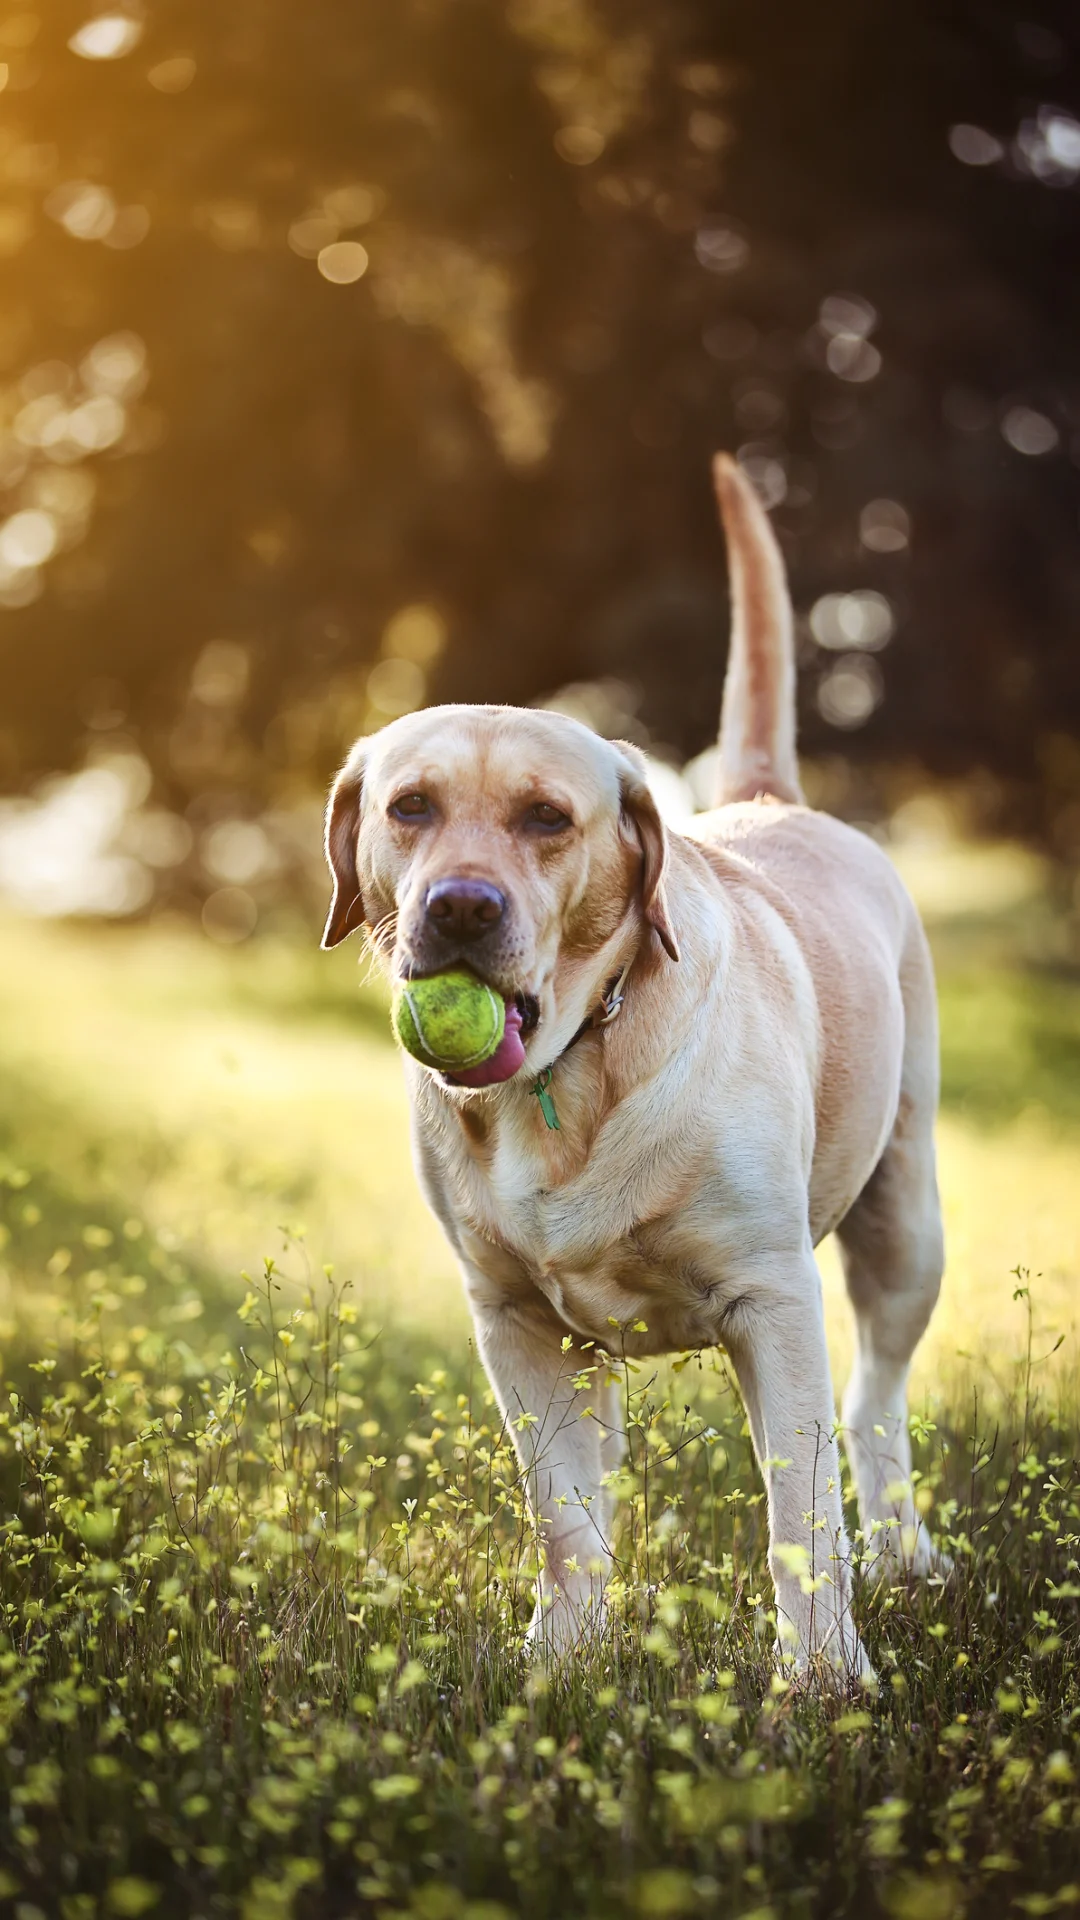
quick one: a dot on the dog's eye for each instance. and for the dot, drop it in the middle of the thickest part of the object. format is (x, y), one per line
(548, 818)
(411, 806)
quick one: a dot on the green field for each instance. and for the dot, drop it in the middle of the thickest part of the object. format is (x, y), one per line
(263, 1556)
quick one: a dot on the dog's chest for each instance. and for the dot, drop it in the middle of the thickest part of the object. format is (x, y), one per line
(647, 1243)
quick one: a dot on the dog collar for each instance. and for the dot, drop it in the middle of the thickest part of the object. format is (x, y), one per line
(609, 1009)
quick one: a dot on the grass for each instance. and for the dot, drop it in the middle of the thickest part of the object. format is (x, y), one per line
(264, 1561)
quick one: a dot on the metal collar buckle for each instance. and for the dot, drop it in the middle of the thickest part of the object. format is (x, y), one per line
(611, 1002)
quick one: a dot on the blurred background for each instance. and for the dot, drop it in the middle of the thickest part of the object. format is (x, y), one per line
(355, 358)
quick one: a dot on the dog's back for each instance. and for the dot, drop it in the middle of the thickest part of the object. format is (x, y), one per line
(833, 886)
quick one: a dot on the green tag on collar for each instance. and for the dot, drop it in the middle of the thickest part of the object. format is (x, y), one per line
(547, 1104)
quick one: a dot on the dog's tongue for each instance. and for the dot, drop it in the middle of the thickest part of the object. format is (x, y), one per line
(508, 1056)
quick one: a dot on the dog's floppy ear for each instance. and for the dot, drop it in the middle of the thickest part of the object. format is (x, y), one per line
(641, 810)
(342, 832)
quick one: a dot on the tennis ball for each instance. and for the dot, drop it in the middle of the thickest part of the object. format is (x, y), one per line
(450, 1020)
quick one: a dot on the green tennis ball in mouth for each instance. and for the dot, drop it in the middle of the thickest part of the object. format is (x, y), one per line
(450, 1020)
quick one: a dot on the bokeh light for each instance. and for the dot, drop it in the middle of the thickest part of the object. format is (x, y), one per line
(973, 146)
(239, 851)
(580, 146)
(849, 692)
(721, 249)
(342, 262)
(107, 37)
(863, 619)
(884, 526)
(174, 75)
(1029, 431)
(229, 916)
(220, 675)
(28, 539)
(84, 210)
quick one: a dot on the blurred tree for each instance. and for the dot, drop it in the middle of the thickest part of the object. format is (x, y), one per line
(359, 356)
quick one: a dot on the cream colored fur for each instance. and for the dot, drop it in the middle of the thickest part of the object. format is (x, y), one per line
(777, 1082)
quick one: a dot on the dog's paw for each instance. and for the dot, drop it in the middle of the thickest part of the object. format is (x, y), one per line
(827, 1676)
(823, 1679)
(896, 1551)
(820, 1648)
(564, 1622)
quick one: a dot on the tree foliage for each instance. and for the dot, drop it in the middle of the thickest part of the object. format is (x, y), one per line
(406, 333)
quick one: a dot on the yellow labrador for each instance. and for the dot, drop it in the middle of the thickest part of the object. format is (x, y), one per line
(771, 1076)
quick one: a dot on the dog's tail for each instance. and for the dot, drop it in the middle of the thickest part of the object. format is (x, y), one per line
(757, 719)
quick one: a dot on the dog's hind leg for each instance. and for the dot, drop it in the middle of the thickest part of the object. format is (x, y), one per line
(892, 1249)
(776, 1338)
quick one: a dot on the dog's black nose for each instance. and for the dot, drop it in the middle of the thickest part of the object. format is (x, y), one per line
(463, 909)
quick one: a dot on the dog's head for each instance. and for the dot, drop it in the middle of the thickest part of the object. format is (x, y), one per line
(513, 842)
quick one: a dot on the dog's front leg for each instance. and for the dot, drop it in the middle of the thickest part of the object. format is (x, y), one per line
(776, 1338)
(532, 1363)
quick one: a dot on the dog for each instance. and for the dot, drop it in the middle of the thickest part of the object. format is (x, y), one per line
(720, 1046)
